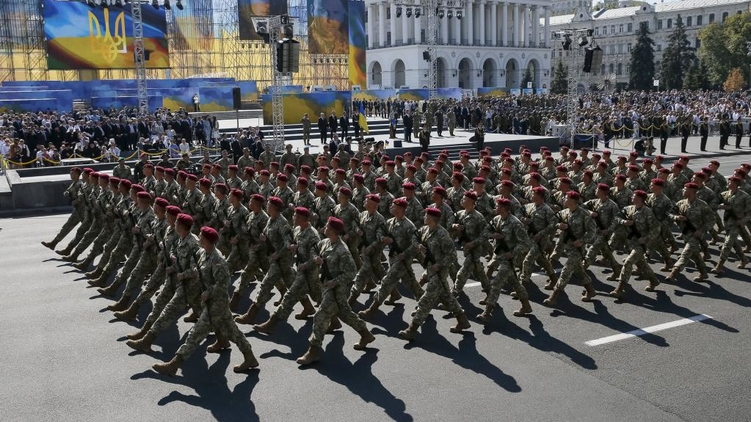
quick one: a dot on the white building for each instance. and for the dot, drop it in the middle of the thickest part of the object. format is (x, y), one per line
(491, 46)
(614, 31)
(568, 7)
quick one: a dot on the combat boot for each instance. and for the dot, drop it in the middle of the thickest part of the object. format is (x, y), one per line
(552, 300)
(462, 323)
(142, 332)
(170, 368)
(393, 297)
(334, 324)
(369, 286)
(234, 301)
(110, 290)
(49, 245)
(744, 261)
(249, 363)
(95, 273)
(120, 305)
(312, 355)
(268, 326)
(193, 317)
(719, 268)
(589, 293)
(282, 292)
(73, 257)
(550, 285)
(66, 251)
(673, 276)
(129, 314)
(702, 277)
(525, 309)
(220, 344)
(410, 332)
(84, 264)
(307, 309)
(101, 281)
(366, 337)
(619, 290)
(144, 344)
(353, 299)
(249, 316)
(370, 312)
(616, 273)
(485, 316)
(668, 265)
(653, 282)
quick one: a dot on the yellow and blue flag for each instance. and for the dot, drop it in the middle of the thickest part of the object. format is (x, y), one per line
(362, 120)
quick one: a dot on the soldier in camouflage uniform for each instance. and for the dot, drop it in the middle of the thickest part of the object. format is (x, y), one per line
(101, 231)
(278, 236)
(470, 228)
(215, 314)
(236, 232)
(438, 249)
(540, 220)
(284, 193)
(348, 213)
(208, 204)
(192, 200)
(337, 272)
(387, 198)
(220, 218)
(737, 206)
(359, 192)
(303, 197)
(233, 181)
(415, 210)
(182, 292)
(605, 212)
(511, 240)
(643, 229)
(577, 229)
(661, 206)
(249, 185)
(695, 219)
(323, 206)
(372, 227)
(74, 192)
(123, 204)
(305, 244)
(258, 259)
(171, 188)
(455, 193)
(89, 190)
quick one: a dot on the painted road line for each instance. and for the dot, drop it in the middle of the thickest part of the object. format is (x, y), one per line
(477, 283)
(648, 330)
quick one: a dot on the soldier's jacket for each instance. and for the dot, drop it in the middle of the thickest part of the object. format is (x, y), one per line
(404, 235)
(209, 204)
(718, 183)
(234, 182)
(454, 197)
(603, 177)
(541, 219)
(623, 197)
(192, 202)
(646, 176)
(249, 188)
(159, 188)
(699, 215)
(323, 208)
(339, 262)
(587, 191)
(220, 213)
(661, 206)
(267, 157)
(254, 227)
(636, 184)
(473, 227)
(617, 169)
(214, 278)
(517, 208)
(485, 205)
(607, 213)
(385, 205)
(415, 211)
(307, 245)
(75, 194)
(186, 252)
(373, 230)
(708, 196)
(121, 172)
(145, 223)
(369, 180)
(645, 224)
(740, 206)
(576, 176)
(440, 245)
(104, 206)
(304, 199)
(335, 190)
(677, 181)
(149, 184)
(238, 217)
(279, 235)
(170, 193)
(265, 189)
(559, 200)
(581, 226)
(243, 162)
(350, 216)
(121, 214)
(515, 238)
(288, 158)
(394, 184)
(159, 229)
(448, 218)
(358, 197)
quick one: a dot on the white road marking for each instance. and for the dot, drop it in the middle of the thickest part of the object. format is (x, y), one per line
(477, 283)
(642, 331)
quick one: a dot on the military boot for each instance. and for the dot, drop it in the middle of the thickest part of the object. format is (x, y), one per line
(701, 278)
(668, 265)
(193, 317)
(719, 268)
(170, 368)
(268, 326)
(66, 251)
(525, 309)
(366, 337)
(312, 355)
(144, 344)
(653, 282)
(234, 301)
(589, 293)
(550, 285)
(84, 264)
(72, 257)
(129, 314)
(462, 323)
(485, 316)
(249, 316)
(616, 273)
(220, 344)
(95, 273)
(120, 305)
(110, 290)
(393, 297)
(101, 281)
(307, 309)
(552, 300)
(249, 363)
(49, 245)
(334, 324)
(142, 332)
(619, 290)
(744, 261)
(673, 276)
(353, 299)
(282, 292)
(410, 332)
(370, 312)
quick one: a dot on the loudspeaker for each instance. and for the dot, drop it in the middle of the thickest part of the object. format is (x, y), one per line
(237, 98)
(592, 59)
(397, 143)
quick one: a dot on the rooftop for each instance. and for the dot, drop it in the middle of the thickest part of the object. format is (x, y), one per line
(674, 6)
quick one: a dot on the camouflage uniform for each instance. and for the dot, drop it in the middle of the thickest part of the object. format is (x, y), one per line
(351, 218)
(643, 232)
(165, 238)
(146, 260)
(306, 281)
(581, 227)
(280, 274)
(171, 194)
(304, 199)
(514, 241)
(661, 206)
(607, 221)
(101, 230)
(403, 233)
(700, 220)
(74, 192)
(192, 205)
(249, 188)
(287, 197)
(238, 218)
(222, 210)
(415, 212)
(323, 208)
(474, 228)
(541, 224)
(372, 228)
(258, 259)
(90, 191)
(735, 216)
(121, 241)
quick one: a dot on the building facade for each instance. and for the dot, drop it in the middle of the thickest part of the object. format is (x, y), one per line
(614, 30)
(492, 45)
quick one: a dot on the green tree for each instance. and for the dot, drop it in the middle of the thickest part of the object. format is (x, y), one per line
(696, 76)
(559, 84)
(527, 78)
(677, 58)
(642, 66)
(723, 47)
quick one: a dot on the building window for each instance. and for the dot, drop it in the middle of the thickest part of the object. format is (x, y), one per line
(630, 27)
(612, 68)
(670, 23)
(659, 24)
(620, 69)
(689, 21)
(597, 30)
(604, 30)
(697, 43)
(699, 20)
(612, 29)
(724, 16)
(620, 48)
(602, 69)
(620, 28)
(711, 17)
(388, 13)
(628, 47)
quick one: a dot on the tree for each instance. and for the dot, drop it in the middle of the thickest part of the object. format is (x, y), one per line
(677, 58)
(723, 47)
(696, 76)
(559, 84)
(642, 66)
(527, 78)
(735, 81)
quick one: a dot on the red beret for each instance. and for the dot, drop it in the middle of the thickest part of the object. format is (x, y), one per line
(648, 161)
(735, 179)
(282, 178)
(621, 158)
(706, 170)
(603, 164)
(691, 185)
(302, 212)
(345, 191)
(355, 160)
(359, 178)
(169, 171)
(587, 173)
(640, 193)
(539, 190)
(603, 186)
(221, 187)
(264, 172)
(302, 181)
(458, 176)
(114, 180)
(185, 220)
(684, 158)
(634, 154)
(257, 197)
(606, 152)
(504, 202)
(573, 153)
(433, 170)
(700, 175)
(277, 202)
(322, 186)
(561, 168)
(479, 180)
(471, 195)
(507, 183)
(679, 165)
(419, 160)
(621, 176)
(658, 182)
(400, 202)
(485, 168)
(289, 167)
(75, 170)
(232, 167)
(565, 180)
(306, 169)
(440, 190)
(366, 162)
(104, 176)
(143, 154)
(531, 164)
(633, 168)
(433, 212)
(382, 182)
(336, 224)
(336, 159)
(174, 210)
(192, 177)
(137, 188)
(374, 197)
(715, 162)
(161, 202)
(159, 168)
(535, 175)
(341, 172)
(408, 186)
(323, 169)
(207, 166)
(88, 170)
(182, 173)
(210, 234)
(204, 182)
(148, 166)
(573, 195)
(390, 163)
(664, 170)
(274, 164)
(250, 171)
(144, 195)
(412, 168)
(125, 182)
(237, 193)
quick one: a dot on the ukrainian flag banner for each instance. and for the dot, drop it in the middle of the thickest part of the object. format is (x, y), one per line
(362, 120)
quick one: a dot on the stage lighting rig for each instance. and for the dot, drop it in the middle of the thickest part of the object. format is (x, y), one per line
(179, 4)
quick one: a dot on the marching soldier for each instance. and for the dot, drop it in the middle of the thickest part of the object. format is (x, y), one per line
(372, 227)
(540, 220)
(74, 192)
(257, 251)
(695, 219)
(737, 206)
(604, 211)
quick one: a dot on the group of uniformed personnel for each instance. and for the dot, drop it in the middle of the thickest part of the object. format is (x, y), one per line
(327, 242)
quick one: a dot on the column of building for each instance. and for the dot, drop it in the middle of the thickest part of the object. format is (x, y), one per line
(381, 24)
(371, 29)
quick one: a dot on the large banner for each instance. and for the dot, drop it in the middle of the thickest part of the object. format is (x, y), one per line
(83, 37)
(194, 26)
(249, 9)
(328, 27)
(357, 44)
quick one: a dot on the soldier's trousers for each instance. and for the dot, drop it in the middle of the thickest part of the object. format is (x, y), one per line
(667, 234)
(370, 270)
(506, 274)
(155, 281)
(219, 320)
(437, 289)
(731, 242)
(573, 266)
(85, 227)
(401, 270)
(257, 261)
(636, 257)
(238, 257)
(472, 267)
(92, 235)
(98, 247)
(691, 250)
(127, 269)
(114, 251)
(280, 274)
(601, 246)
(176, 305)
(224, 246)
(145, 265)
(305, 283)
(70, 223)
(334, 303)
(535, 256)
(617, 240)
(353, 244)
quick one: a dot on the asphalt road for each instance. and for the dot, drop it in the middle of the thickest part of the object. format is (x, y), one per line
(64, 358)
